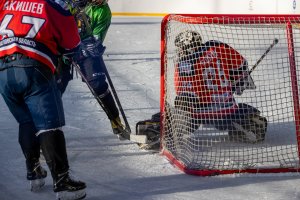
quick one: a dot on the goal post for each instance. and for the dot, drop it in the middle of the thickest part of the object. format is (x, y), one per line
(230, 93)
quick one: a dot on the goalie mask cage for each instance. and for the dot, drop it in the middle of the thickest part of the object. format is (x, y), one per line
(202, 147)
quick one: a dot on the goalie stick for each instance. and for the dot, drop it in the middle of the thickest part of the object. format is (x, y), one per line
(126, 133)
(275, 41)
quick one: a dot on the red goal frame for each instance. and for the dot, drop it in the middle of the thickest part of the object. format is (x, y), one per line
(250, 19)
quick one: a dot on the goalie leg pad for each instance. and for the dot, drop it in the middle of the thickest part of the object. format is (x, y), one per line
(151, 129)
(252, 130)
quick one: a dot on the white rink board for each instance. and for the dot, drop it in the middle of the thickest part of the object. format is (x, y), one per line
(207, 6)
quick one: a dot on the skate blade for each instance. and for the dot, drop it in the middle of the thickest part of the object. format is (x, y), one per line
(138, 138)
(71, 195)
(37, 184)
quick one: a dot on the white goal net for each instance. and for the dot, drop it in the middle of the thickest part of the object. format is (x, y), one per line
(230, 93)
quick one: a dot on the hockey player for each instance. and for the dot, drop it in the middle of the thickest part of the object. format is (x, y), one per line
(30, 42)
(93, 19)
(206, 79)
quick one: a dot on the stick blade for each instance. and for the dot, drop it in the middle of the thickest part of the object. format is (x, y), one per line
(138, 138)
(134, 138)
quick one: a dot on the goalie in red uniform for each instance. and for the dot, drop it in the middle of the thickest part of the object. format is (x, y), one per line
(207, 78)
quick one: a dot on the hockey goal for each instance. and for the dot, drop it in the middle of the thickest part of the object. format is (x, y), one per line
(230, 93)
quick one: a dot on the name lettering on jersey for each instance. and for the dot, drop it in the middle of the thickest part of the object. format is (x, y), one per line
(188, 85)
(209, 57)
(24, 6)
(185, 68)
(27, 42)
(221, 97)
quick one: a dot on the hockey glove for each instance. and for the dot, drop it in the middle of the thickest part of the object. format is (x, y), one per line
(89, 47)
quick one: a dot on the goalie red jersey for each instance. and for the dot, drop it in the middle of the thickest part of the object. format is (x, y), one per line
(209, 77)
(34, 37)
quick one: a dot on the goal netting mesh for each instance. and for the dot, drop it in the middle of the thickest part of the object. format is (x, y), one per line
(230, 93)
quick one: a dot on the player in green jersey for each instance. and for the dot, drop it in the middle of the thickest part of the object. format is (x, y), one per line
(94, 19)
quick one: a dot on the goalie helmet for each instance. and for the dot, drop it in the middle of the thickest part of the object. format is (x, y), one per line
(188, 40)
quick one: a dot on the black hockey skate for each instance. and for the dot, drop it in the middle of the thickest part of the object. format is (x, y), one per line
(36, 177)
(67, 188)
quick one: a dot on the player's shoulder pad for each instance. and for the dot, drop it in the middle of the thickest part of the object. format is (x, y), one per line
(207, 45)
(61, 6)
(216, 43)
(204, 47)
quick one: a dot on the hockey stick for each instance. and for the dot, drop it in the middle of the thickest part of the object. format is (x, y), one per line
(140, 139)
(275, 41)
(89, 30)
(116, 98)
(126, 133)
(81, 14)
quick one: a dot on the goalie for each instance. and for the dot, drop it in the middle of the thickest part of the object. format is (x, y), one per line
(207, 78)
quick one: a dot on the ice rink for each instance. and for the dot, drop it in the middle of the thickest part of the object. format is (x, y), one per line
(119, 170)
